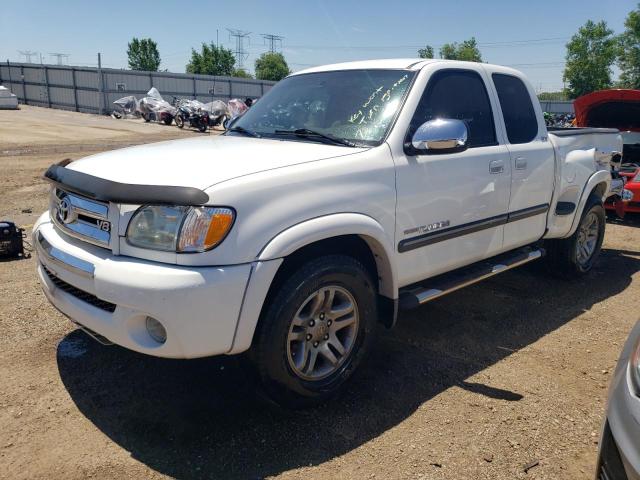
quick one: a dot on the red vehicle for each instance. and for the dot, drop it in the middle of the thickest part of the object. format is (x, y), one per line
(619, 109)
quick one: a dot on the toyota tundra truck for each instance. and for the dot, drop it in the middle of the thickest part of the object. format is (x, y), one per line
(346, 194)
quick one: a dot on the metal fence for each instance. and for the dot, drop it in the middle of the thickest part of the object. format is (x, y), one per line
(557, 106)
(87, 89)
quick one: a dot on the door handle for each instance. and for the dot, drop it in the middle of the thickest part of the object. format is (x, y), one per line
(496, 166)
(521, 163)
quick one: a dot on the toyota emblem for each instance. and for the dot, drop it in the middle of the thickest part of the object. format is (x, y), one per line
(65, 210)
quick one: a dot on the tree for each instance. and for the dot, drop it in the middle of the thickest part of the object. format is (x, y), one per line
(143, 55)
(467, 51)
(271, 66)
(212, 60)
(629, 51)
(590, 55)
(426, 52)
(241, 73)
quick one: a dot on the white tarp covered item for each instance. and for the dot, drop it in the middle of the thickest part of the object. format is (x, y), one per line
(7, 99)
(154, 102)
(215, 108)
(236, 108)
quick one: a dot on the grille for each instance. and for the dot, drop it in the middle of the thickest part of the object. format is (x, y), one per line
(79, 294)
(81, 217)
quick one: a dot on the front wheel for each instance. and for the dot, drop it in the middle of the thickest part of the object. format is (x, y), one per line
(315, 331)
(576, 255)
(202, 127)
(179, 121)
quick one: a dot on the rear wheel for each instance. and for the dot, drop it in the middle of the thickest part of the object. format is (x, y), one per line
(202, 127)
(315, 331)
(576, 255)
(168, 120)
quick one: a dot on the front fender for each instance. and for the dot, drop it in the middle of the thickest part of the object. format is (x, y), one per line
(334, 225)
(270, 258)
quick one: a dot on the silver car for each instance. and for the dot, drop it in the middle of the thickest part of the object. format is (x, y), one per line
(619, 455)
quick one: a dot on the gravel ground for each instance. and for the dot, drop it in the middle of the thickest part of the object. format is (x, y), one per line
(476, 385)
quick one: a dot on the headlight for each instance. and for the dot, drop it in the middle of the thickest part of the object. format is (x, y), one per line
(179, 229)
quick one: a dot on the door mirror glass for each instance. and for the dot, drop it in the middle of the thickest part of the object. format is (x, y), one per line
(441, 135)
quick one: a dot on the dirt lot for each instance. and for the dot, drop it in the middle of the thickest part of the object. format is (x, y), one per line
(474, 386)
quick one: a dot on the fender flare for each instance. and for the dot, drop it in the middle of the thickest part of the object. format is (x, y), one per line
(269, 260)
(601, 176)
(334, 225)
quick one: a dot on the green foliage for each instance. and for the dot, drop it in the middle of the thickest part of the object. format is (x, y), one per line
(241, 73)
(467, 51)
(212, 60)
(590, 55)
(143, 55)
(552, 96)
(271, 66)
(629, 51)
(426, 52)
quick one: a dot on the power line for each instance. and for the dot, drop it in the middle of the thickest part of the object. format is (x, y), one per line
(273, 41)
(240, 53)
(27, 55)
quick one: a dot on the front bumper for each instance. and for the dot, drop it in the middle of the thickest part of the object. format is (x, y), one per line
(112, 296)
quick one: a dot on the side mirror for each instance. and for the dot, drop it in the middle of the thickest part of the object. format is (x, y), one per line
(441, 135)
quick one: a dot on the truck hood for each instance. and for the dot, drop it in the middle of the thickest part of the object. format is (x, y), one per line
(203, 162)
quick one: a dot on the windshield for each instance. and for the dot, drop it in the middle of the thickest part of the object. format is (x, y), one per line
(356, 106)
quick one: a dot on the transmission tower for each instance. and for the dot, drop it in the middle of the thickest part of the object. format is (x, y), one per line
(27, 55)
(60, 57)
(273, 41)
(240, 53)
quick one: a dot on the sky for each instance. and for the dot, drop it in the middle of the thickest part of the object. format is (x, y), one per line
(529, 36)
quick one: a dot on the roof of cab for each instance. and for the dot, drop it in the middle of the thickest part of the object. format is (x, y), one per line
(403, 63)
(393, 63)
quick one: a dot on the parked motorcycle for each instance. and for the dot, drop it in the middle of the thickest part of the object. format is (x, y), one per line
(188, 111)
(155, 108)
(126, 107)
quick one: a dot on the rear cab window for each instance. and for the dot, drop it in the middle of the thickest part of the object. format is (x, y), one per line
(515, 102)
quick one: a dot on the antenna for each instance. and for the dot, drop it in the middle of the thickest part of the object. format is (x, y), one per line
(60, 57)
(27, 55)
(240, 53)
(273, 41)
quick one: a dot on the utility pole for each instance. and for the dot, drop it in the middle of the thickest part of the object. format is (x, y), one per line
(60, 57)
(27, 54)
(240, 53)
(273, 41)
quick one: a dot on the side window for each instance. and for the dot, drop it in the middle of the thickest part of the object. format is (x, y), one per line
(459, 94)
(517, 109)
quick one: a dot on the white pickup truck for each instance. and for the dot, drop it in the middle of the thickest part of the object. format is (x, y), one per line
(346, 193)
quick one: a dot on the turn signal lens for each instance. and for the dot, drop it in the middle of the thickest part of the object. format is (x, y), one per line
(204, 228)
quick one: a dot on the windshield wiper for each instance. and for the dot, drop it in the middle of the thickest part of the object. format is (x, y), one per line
(307, 133)
(244, 131)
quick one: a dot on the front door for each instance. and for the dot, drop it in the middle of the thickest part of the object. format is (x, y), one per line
(452, 207)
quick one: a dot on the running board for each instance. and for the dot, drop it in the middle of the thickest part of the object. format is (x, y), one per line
(416, 295)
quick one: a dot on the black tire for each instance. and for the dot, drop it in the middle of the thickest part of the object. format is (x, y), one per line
(146, 117)
(168, 120)
(202, 127)
(269, 355)
(562, 255)
(179, 121)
